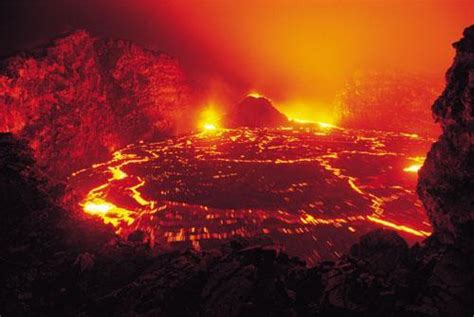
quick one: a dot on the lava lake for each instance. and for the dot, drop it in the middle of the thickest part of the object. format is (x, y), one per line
(314, 190)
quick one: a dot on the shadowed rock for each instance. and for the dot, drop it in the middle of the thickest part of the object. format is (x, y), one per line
(383, 250)
(446, 181)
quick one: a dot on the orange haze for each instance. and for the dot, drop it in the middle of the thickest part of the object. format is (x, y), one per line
(305, 49)
(291, 51)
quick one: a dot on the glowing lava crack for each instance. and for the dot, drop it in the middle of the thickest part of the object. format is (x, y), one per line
(314, 190)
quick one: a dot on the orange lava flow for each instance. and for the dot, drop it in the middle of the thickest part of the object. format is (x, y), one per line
(96, 203)
(392, 225)
(312, 189)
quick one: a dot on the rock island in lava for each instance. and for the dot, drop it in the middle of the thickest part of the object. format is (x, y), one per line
(314, 190)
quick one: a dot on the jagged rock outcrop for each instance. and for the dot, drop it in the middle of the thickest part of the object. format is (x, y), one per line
(446, 181)
(81, 97)
(255, 112)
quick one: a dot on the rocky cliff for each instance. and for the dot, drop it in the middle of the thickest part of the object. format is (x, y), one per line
(81, 97)
(446, 181)
(390, 101)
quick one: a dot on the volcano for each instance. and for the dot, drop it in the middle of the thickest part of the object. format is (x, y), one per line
(128, 188)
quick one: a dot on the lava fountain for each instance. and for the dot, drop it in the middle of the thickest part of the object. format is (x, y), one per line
(313, 189)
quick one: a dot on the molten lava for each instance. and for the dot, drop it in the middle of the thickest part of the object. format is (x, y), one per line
(255, 95)
(414, 168)
(310, 112)
(209, 119)
(209, 126)
(314, 189)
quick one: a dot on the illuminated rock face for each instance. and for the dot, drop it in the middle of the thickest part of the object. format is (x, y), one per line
(446, 182)
(255, 112)
(82, 97)
(389, 101)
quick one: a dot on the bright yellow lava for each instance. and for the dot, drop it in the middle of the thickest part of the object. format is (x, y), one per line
(326, 125)
(98, 207)
(209, 126)
(321, 124)
(209, 119)
(117, 173)
(414, 168)
(109, 212)
(254, 94)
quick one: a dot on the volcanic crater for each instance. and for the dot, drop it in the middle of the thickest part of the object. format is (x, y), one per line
(321, 184)
(311, 189)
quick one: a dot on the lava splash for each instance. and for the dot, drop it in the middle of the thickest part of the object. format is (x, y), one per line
(314, 190)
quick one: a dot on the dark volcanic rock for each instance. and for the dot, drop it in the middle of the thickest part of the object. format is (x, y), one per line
(382, 249)
(446, 181)
(446, 188)
(82, 97)
(255, 112)
(39, 241)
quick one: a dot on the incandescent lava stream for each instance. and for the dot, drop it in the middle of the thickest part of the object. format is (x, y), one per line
(314, 190)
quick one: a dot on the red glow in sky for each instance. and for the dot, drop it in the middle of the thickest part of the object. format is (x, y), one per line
(284, 49)
(305, 49)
